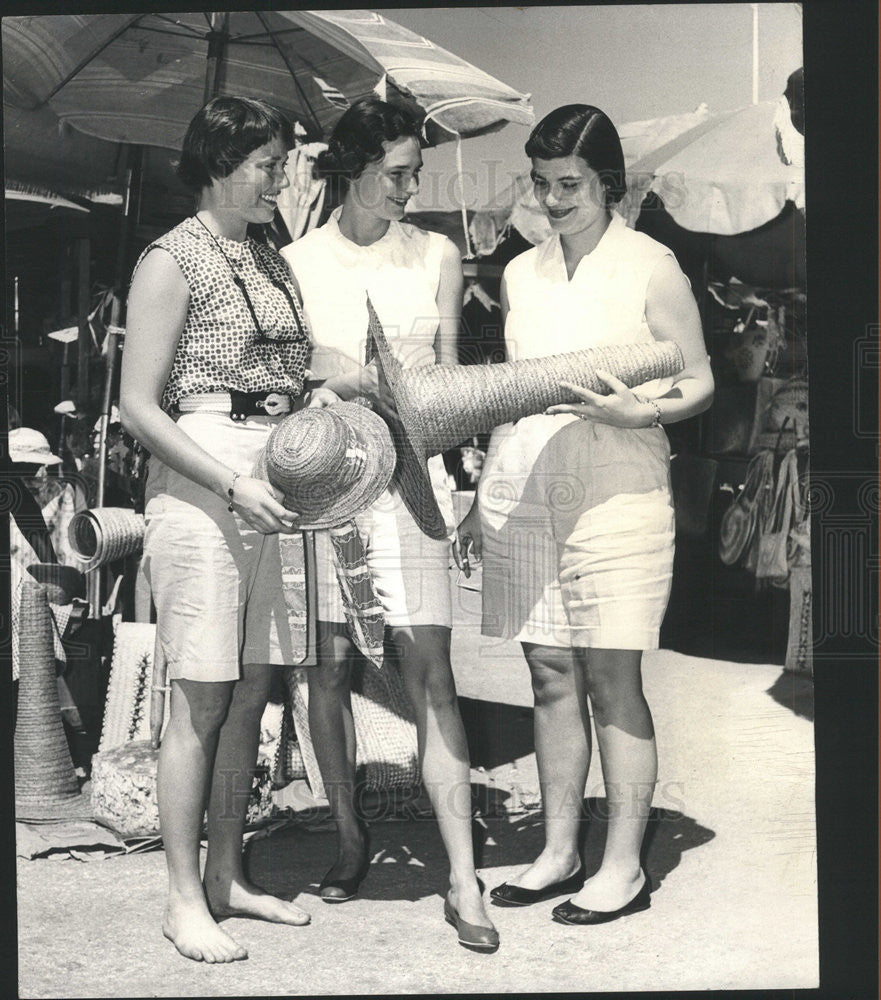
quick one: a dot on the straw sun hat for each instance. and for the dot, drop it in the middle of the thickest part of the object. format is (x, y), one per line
(439, 406)
(329, 462)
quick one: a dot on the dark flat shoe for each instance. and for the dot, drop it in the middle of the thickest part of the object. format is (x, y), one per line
(569, 913)
(340, 890)
(514, 895)
(471, 936)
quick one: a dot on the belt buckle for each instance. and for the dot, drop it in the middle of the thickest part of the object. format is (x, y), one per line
(274, 404)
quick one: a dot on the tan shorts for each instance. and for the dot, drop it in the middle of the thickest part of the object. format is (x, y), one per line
(216, 582)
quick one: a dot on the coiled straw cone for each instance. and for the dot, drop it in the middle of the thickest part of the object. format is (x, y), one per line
(105, 534)
(46, 787)
(439, 406)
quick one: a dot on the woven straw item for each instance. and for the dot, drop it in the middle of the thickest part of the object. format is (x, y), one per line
(439, 406)
(124, 790)
(105, 534)
(46, 786)
(330, 462)
(385, 733)
(127, 709)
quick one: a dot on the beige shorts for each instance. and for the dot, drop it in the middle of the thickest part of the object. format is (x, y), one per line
(410, 571)
(216, 582)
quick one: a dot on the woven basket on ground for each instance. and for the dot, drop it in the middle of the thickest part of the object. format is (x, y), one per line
(385, 733)
(46, 786)
(106, 534)
(124, 790)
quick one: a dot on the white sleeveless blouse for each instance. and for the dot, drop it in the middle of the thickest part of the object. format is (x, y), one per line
(400, 272)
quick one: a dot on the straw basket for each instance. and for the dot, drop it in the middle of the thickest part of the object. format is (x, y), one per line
(106, 534)
(439, 406)
(46, 787)
(124, 790)
(385, 732)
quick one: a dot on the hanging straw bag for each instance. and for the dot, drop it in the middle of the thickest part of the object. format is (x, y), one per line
(738, 530)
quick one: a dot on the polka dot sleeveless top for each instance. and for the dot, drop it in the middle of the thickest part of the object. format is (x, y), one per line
(220, 348)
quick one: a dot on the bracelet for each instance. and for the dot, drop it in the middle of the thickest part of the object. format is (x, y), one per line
(656, 419)
(231, 490)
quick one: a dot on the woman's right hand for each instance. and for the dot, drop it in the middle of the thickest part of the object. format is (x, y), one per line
(468, 543)
(258, 504)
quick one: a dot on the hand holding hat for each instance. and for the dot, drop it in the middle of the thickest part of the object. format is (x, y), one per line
(329, 462)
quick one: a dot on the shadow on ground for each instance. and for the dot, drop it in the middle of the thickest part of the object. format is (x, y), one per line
(795, 692)
(409, 862)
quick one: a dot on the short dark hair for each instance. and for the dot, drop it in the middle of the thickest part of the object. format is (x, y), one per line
(584, 131)
(224, 133)
(358, 136)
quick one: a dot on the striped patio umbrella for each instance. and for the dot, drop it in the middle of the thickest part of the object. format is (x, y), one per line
(139, 78)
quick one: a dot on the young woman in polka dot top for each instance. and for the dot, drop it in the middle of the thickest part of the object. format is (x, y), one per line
(214, 357)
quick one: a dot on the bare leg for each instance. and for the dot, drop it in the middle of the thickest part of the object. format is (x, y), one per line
(186, 762)
(423, 653)
(562, 750)
(226, 888)
(333, 739)
(629, 757)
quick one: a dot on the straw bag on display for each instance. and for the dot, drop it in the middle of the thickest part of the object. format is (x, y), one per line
(772, 563)
(739, 529)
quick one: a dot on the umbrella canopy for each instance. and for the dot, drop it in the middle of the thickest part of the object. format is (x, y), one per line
(139, 78)
(27, 205)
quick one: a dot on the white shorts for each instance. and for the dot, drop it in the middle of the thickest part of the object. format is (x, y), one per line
(216, 582)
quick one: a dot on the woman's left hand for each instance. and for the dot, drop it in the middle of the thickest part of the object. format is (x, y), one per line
(621, 408)
(322, 396)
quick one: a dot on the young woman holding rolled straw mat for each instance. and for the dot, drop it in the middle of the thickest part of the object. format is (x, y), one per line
(215, 342)
(574, 517)
(414, 280)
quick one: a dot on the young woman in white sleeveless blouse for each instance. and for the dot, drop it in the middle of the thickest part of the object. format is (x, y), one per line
(414, 280)
(574, 518)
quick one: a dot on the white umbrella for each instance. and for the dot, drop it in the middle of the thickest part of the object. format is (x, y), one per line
(139, 78)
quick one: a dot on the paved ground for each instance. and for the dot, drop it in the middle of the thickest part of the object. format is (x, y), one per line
(730, 852)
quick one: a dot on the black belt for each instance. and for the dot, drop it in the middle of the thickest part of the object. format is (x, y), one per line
(267, 404)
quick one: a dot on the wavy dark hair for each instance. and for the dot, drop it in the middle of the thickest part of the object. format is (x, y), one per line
(584, 131)
(357, 140)
(223, 134)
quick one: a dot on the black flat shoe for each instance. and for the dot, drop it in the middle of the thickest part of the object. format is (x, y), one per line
(340, 890)
(569, 913)
(471, 936)
(514, 895)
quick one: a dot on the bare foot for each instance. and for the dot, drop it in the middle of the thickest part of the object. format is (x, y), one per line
(191, 929)
(547, 870)
(608, 891)
(242, 899)
(468, 903)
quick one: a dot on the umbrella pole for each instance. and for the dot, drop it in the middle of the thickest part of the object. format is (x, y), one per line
(217, 40)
